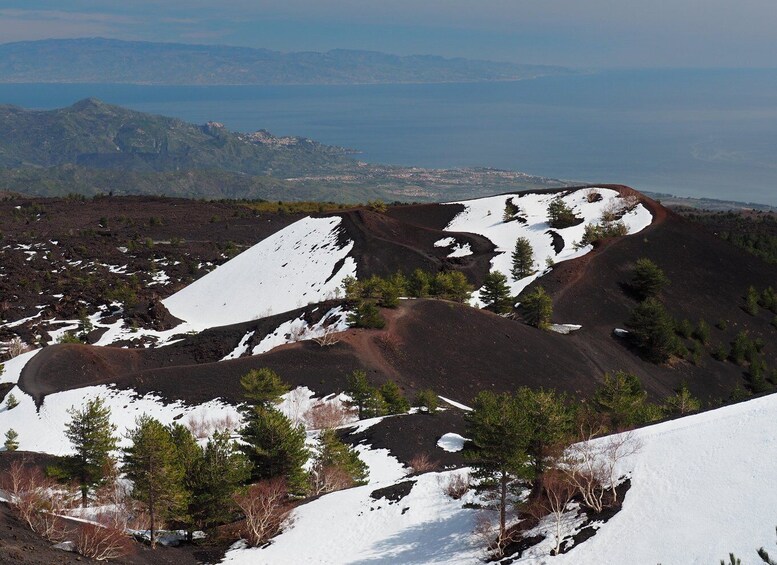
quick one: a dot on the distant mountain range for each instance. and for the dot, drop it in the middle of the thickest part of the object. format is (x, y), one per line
(96, 60)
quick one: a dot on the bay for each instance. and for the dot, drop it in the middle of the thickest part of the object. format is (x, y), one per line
(702, 133)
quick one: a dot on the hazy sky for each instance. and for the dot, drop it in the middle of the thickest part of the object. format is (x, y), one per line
(578, 33)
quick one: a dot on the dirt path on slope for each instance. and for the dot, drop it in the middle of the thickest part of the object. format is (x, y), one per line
(370, 345)
(569, 273)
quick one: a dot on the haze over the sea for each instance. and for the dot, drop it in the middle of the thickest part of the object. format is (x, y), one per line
(702, 133)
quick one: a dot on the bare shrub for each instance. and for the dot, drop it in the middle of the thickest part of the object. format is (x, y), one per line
(37, 499)
(592, 195)
(390, 343)
(199, 425)
(455, 485)
(586, 471)
(296, 400)
(615, 449)
(16, 347)
(329, 478)
(493, 539)
(227, 423)
(202, 427)
(557, 492)
(101, 541)
(326, 415)
(613, 211)
(328, 338)
(297, 332)
(422, 463)
(116, 495)
(592, 465)
(266, 509)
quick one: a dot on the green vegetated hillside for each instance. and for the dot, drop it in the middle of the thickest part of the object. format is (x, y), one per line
(97, 135)
(94, 60)
(93, 148)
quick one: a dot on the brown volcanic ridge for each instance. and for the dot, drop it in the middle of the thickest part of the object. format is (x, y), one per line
(454, 349)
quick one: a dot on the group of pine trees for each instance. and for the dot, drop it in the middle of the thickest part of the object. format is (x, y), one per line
(518, 442)
(367, 295)
(652, 327)
(179, 481)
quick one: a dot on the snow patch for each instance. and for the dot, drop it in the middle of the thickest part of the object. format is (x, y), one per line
(484, 216)
(451, 442)
(564, 328)
(289, 269)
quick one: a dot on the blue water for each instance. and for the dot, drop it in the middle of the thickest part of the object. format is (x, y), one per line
(694, 133)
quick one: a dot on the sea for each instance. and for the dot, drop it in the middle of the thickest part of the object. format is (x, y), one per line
(699, 133)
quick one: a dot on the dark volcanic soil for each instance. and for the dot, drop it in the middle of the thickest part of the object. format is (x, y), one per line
(61, 255)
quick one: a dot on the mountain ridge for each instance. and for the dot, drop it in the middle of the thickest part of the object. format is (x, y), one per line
(99, 60)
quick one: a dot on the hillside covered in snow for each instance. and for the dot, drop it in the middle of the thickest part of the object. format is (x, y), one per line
(696, 488)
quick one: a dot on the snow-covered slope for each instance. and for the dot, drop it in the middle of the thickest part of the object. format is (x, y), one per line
(303, 263)
(702, 486)
(351, 527)
(485, 217)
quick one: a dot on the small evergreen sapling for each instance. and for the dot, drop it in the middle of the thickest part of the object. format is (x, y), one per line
(427, 400)
(263, 387)
(537, 308)
(647, 279)
(523, 259)
(395, 401)
(11, 440)
(496, 294)
(11, 402)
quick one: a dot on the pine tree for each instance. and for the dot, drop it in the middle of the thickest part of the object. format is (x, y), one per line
(217, 473)
(647, 279)
(451, 285)
(498, 450)
(496, 293)
(352, 288)
(560, 215)
(751, 301)
(187, 455)
(550, 419)
(511, 210)
(359, 389)
(11, 401)
(537, 308)
(275, 447)
(263, 387)
(764, 555)
(395, 401)
(427, 400)
(621, 398)
(523, 259)
(419, 284)
(336, 459)
(652, 329)
(152, 464)
(11, 440)
(92, 435)
(702, 332)
(366, 315)
(682, 402)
